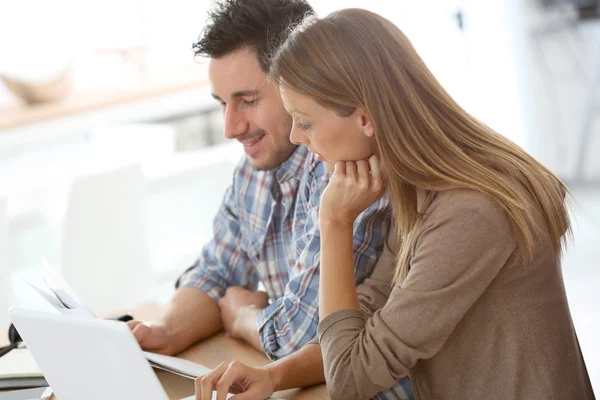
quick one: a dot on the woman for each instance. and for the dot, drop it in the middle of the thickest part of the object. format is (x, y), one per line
(477, 308)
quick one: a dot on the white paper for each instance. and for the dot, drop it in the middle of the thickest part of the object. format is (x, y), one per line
(60, 295)
(48, 295)
(63, 291)
(19, 363)
(214, 397)
(185, 368)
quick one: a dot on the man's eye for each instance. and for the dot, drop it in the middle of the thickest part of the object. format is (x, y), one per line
(249, 102)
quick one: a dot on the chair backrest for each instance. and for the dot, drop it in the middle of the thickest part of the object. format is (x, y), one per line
(133, 141)
(103, 250)
(184, 195)
(5, 272)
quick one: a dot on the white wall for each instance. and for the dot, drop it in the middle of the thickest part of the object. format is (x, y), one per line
(529, 70)
(5, 284)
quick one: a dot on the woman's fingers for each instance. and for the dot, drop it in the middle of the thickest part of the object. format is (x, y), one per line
(205, 384)
(367, 172)
(340, 168)
(364, 170)
(352, 171)
(235, 372)
(354, 186)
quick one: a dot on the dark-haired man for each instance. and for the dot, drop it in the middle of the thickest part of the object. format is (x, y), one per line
(266, 230)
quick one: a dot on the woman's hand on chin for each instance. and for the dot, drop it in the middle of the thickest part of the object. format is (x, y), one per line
(354, 186)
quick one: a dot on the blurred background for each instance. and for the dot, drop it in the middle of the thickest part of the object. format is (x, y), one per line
(112, 161)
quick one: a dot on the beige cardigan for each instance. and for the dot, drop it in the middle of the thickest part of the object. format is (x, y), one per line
(471, 320)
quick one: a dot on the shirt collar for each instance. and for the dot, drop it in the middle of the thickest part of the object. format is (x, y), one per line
(294, 165)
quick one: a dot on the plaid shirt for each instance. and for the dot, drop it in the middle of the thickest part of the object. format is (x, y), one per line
(267, 230)
(402, 390)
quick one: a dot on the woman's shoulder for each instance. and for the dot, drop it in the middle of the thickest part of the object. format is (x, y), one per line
(465, 203)
(456, 199)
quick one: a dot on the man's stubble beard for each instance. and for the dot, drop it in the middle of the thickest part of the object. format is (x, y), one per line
(279, 155)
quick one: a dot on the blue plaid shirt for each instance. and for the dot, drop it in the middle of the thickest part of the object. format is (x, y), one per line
(267, 230)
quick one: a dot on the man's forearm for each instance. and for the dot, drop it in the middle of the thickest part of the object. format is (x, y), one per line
(245, 326)
(301, 368)
(191, 316)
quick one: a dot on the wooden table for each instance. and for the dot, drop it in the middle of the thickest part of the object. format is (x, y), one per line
(210, 353)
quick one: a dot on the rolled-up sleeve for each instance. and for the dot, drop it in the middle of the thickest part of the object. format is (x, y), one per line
(223, 262)
(291, 322)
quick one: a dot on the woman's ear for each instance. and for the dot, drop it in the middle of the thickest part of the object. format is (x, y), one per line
(368, 127)
(365, 122)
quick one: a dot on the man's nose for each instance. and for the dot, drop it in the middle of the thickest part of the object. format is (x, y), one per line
(235, 123)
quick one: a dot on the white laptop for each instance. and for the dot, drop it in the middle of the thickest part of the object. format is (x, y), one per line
(87, 358)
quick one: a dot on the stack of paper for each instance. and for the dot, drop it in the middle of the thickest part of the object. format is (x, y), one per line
(34, 393)
(62, 296)
(214, 397)
(179, 366)
(18, 370)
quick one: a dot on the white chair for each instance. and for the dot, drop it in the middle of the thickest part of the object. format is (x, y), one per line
(184, 194)
(5, 272)
(133, 141)
(103, 247)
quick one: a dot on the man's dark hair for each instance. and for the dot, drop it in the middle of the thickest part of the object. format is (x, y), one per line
(261, 25)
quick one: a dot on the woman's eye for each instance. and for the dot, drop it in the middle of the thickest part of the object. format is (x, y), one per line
(302, 126)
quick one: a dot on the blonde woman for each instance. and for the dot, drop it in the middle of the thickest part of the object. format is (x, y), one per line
(471, 296)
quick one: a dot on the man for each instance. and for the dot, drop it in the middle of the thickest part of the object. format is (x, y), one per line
(266, 230)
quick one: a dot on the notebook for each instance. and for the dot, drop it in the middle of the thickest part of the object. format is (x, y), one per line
(19, 370)
(19, 363)
(22, 394)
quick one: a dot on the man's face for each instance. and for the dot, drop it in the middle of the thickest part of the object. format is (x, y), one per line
(252, 109)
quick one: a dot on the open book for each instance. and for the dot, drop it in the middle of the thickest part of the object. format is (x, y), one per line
(64, 299)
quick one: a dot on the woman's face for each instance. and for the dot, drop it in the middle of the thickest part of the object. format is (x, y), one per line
(325, 133)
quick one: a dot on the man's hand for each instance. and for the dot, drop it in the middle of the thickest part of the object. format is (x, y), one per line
(190, 316)
(239, 309)
(152, 337)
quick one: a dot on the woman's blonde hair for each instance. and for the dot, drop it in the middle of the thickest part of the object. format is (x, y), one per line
(353, 58)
